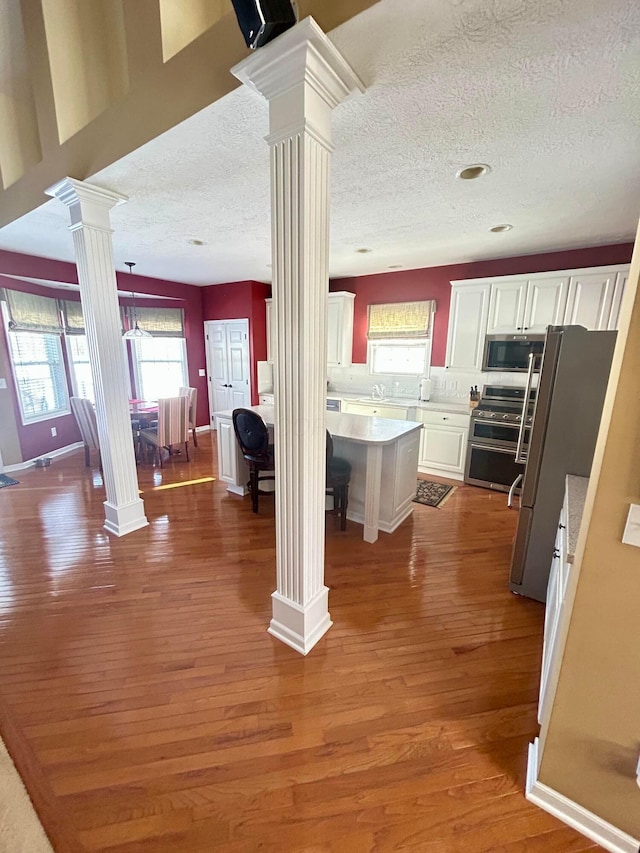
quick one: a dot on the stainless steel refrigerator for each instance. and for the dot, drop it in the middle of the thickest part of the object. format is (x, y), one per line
(568, 406)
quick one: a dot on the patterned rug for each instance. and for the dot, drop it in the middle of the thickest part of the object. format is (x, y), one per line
(433, 494)
(7, 481)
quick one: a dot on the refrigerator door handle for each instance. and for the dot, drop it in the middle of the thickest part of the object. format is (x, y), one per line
(514, 486)
(520, 456)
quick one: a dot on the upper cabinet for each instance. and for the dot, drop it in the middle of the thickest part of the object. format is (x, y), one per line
(467, 325)
(339, 329)
(528, 304)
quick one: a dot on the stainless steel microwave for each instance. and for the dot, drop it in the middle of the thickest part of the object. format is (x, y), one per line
(510, 353)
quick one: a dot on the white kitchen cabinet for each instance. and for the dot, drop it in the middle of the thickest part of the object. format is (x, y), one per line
(618, 292)
(526, 305)
(467, 325)
(374, 410)
(443, 443)
(506, 307)
(590, 300)
(558, 578)
(270, 347)
(339, 329)
(546, 303)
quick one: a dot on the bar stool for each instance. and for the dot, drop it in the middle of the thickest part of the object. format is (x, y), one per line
(252, 435)
(338, 478)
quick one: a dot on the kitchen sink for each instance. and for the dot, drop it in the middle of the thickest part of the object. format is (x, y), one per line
(373, 400)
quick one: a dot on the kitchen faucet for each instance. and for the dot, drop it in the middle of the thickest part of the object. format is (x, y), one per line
(378, 392)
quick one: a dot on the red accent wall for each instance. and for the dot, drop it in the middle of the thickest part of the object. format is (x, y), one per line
(241, 300)
(434, 283)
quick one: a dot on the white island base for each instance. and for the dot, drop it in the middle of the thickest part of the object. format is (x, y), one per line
(384, 465)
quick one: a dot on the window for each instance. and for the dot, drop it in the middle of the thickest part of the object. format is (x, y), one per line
(39, 373)
(399, 338)
(80, 367)
(160, 366)
(400, 357)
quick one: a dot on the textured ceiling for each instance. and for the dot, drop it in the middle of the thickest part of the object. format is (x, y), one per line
(545, 91)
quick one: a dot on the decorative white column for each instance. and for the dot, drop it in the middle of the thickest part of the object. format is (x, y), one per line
(303, 77)
(89, 208)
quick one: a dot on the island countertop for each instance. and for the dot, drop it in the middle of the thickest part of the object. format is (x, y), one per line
(361, 428)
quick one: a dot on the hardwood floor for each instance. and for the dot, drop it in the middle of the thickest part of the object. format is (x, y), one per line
(147, 709)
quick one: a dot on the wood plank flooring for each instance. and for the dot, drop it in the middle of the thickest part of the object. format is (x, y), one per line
(147, 709)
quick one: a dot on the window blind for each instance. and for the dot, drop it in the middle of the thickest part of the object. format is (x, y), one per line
(39, 372)
(400, 320)
(72, 317)
(159, 322)
(29, 312)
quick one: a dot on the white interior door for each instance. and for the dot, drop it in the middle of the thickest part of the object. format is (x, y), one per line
(228, 365)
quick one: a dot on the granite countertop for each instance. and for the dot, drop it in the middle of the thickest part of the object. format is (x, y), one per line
(360, 428)
(576, 493)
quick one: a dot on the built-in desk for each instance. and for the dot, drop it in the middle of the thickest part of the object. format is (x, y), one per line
(380, 450)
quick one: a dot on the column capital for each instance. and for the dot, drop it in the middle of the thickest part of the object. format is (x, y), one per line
(87, 203)
(302, 54)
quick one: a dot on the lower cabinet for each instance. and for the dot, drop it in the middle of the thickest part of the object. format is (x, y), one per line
(443, 443)
(374, 410)
(556, 589)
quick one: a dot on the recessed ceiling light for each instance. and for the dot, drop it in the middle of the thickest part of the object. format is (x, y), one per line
(364, 251)
(394, 267)
(476, 170)
(195, 242)
(498, 229)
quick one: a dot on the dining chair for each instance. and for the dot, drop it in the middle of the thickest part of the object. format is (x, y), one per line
(172, 427)
(338, 478)
(85, 415)
(252, 435)
(192, 395)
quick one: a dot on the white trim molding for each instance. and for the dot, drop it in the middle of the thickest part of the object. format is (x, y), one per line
(574, 815)
(29, 463)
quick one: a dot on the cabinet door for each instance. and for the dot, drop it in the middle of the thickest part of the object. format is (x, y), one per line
(590, 299)
(340, 328)
(467, 326)
(618, 293)
(506, 307)
(226, 451)
(270, 342)
(546, 302)
(334, 333)
(443, 447)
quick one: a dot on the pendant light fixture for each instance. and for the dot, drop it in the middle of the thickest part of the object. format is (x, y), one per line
(136, 331)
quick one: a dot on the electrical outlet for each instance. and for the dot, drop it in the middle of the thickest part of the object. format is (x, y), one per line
(54, 431)
(3, 383)
(201, 372)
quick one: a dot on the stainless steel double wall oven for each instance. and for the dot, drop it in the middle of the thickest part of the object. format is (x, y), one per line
(499, 437)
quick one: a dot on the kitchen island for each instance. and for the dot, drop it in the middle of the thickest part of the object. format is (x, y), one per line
(384, 464)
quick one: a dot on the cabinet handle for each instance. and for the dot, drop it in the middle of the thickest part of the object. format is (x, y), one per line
(518, 328)
(556, 553)
(445, 419)
(562, 527)
(526, 328)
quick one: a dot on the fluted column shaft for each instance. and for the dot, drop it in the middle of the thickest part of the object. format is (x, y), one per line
(303, 77)
(89, 208)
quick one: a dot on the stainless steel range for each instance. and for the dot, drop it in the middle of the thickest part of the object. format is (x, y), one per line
(498, 437)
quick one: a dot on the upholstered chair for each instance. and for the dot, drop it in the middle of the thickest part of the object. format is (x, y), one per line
(252, 435)
(192, 394)
(172, 428)
(338, 478)
(85, 415)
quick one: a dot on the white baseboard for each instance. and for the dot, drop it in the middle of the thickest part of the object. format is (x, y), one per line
(574, 815)
(437, 472)
(61, 451)
(205, 428)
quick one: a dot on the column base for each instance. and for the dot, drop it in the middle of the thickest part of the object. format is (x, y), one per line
(121, 520)
(300, 626)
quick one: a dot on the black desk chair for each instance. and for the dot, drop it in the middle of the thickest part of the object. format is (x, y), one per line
(338, 477)
(253, 437)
